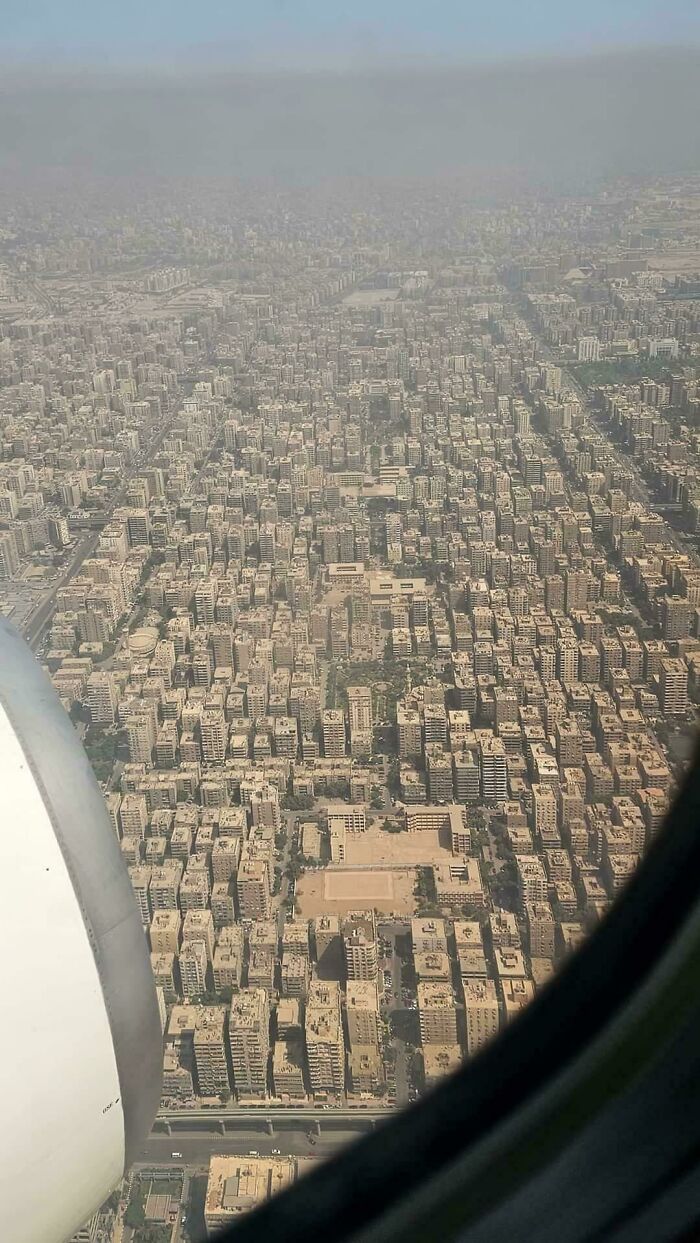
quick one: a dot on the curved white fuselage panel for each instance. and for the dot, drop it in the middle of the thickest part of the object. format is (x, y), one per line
(60, 1106)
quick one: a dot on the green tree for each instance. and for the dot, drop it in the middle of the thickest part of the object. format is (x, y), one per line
(336, 789)
(298, 802)
(135, 1215)
(79, 714)
(376, 801)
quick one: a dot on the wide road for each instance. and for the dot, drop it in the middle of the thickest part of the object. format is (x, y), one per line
(197, 1147)
(640, 489)
(37, 623)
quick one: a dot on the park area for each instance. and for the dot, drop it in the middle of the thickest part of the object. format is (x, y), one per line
(154, 1205)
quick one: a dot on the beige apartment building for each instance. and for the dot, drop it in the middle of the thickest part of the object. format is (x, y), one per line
(249, 1041)
(253, 889)
(199, 926)
(288, 1069)
(165, 932)
(209, 1045)
(227, 963)
(325, 1044)
(194, 964)
(673, 687)
(102, 698)
(362, 1012)
(515, 995)
(345, 819)
(541, 928)
(482, 1012)
(359, 932)
(437, 1014)
(333, 733)
(236, 1184)
(428, 934)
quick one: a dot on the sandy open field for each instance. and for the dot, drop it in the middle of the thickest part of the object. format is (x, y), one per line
(374, 846)
(335, 892)
(344, 886)
(675, 262)
(370, 297)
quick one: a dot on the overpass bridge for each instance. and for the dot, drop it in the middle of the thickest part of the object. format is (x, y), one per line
(271, 1120)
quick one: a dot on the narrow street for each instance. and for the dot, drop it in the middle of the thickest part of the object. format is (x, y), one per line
(396, 1013)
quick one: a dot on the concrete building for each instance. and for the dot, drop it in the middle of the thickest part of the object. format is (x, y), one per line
(325, 1044)
(494, 770)
(249, 1041)
(209, 1046)
(541, 929)
(482, 1013)
(428, 935)
(437, 1014)
(253, 889)
(333, 733)
(362, 1012)
(361, 720)
(235, 1185)
(102, 698)
(359, 932)
(194, 965)
(345, 819)
(165, 932)
(673, 687)
(288, 1063)
(516, 994)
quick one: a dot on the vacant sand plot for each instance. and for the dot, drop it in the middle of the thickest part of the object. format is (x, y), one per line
(334, 893)
(375, 846)
(370, 297)
(344, 886)
(672, 262)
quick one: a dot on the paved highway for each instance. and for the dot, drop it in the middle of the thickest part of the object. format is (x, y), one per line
(196, 1147)
(196, 1137)
(194, 1150)
(38, 622)
(640, 488)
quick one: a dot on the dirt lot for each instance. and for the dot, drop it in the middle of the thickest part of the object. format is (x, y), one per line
(675, 262)
(370, 297)
(375, 846)
(345, 886)
(335, 892)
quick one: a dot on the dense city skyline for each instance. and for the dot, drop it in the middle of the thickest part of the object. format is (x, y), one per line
(359, 535)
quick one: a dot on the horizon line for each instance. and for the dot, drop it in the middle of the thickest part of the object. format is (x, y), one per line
(46, 74)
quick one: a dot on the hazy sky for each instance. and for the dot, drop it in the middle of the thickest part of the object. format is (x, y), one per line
(302, 33)
(555, 119)
(397, 88)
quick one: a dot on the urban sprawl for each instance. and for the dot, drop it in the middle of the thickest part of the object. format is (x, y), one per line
(358, 534)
